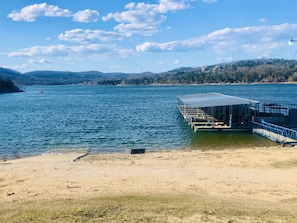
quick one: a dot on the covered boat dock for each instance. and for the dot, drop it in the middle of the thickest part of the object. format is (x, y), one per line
(217, 112)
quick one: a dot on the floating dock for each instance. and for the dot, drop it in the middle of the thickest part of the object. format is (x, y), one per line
(219, 112)
(216, 112)
(276, 133)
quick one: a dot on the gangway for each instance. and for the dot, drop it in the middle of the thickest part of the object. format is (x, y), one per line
(275, 133)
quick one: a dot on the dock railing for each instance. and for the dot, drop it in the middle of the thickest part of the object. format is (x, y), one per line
(275, 132)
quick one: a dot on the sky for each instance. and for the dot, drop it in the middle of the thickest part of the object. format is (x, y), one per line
(139, 36)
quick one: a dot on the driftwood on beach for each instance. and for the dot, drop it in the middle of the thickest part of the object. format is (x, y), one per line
(82, 156)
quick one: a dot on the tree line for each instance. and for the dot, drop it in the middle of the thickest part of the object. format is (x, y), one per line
(245, 71)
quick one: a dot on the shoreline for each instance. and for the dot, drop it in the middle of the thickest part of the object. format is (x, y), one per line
(212, 147)
(257, 177)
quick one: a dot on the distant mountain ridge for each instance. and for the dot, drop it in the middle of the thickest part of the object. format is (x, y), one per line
(244, 71)
(48, 77)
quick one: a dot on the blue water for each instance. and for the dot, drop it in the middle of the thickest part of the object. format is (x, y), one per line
(116, 118)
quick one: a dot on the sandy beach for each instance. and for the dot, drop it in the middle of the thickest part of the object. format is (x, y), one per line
(263, 177)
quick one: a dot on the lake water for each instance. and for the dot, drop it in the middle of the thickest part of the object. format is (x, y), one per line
(112, 119)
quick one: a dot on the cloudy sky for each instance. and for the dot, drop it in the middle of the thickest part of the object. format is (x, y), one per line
(139, 36)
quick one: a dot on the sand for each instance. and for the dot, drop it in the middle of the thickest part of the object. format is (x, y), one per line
(249, 175)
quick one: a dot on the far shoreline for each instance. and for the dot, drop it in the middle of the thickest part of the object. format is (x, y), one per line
(166, 85)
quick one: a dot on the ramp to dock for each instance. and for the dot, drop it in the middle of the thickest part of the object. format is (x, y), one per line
(275, 133)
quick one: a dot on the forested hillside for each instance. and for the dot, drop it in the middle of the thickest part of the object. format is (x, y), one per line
(7, 86)
(49, 77)
(246, 71)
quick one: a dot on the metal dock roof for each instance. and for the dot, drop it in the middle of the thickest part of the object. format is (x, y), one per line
(213, 100)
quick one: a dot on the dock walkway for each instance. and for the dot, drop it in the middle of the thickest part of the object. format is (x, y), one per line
(276, 133)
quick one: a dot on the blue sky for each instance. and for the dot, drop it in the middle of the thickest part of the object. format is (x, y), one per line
(138, 36)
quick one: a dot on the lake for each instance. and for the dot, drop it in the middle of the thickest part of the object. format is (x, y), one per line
(111, 119)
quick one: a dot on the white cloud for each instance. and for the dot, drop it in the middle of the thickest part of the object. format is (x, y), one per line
(138, 18)
(31, 12)
(41, 61)
(172, 5)
(170, 46)
(86, 16)
(87, 50)
(40, 51)
(262, 20)
(144, 19)
(33, 62)
(89, 36)
(84, 50)
(247, 39)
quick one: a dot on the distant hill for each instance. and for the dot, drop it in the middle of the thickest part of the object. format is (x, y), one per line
(244, 71)
(48, 77)
(68, 77)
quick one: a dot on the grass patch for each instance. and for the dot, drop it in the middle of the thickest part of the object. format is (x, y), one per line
(140, 209)
(285, 164)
